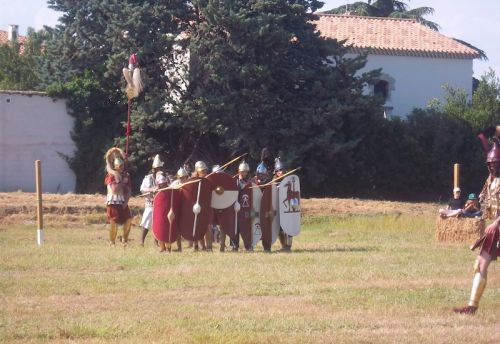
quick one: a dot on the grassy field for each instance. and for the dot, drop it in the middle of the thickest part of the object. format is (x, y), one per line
(379, 278)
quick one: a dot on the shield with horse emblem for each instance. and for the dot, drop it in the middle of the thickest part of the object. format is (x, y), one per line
(224, 202)
(195, 212)
(166, 206)
(269, 215)
(289, 204)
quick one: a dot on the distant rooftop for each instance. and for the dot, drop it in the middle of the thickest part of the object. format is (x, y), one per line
(4, 38)
(391, 36)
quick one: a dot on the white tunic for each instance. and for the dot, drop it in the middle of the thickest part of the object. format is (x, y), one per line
(147, 217)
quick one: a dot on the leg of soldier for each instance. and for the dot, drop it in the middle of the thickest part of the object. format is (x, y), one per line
(289, 240)
(113, 231)
(222, 240)
(282, 237)
(209, 239)
(478, 284)
(235, 243)
(179, 243)
(143, 235)
(162, 246)
(126, 230)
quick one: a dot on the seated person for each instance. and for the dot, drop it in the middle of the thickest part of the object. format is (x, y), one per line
(472, 207)
(455, 205)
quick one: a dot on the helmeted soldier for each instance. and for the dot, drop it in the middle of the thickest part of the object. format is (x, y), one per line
(263, 172)
(119, 189)
(148, 187)
(490, 199)
(201, 171)
(243, 182)
(285, 239)
(182, 176)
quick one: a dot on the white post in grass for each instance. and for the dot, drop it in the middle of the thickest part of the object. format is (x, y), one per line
(39, 209)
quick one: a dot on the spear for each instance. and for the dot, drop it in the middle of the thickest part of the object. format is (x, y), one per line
(171, 187)
(276, 179)
(227, 164)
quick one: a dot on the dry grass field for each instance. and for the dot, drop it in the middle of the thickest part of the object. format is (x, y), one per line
(360, 272)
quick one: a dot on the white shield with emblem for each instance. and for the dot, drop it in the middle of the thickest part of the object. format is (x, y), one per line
(289, 205)
(256, 229)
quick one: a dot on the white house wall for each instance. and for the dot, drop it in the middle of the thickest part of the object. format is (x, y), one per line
(34, 127)
(418, 80)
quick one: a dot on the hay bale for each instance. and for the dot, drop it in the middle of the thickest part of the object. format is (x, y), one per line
(460, 229)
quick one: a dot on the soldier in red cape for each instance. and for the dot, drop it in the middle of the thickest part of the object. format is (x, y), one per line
(118, 185)
(490, 199)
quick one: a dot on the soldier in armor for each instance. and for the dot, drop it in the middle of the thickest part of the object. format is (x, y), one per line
(490, 199)
(182, 177)
(149, 187)
(243, 181)
(201, 171)
(263, 172)
(119, 189)
(285, 239)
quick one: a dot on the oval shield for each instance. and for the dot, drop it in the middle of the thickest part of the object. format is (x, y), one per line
(195, 210)
(256, 228)
(225, 190)
(269, 215)
(245, 214)
(166, 211)
(289, 205)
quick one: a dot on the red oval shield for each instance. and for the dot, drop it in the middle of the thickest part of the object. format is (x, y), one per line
(195, 210)
(166, 206)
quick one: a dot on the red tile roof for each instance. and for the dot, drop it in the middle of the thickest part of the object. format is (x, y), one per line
(4, 38)
(391, 36)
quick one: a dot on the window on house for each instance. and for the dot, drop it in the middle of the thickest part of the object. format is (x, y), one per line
(381, 89)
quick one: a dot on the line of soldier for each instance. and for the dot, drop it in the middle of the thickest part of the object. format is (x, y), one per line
(118, 185)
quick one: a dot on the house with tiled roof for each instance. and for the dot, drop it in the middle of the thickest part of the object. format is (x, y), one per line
(416, 61)
(12, 35)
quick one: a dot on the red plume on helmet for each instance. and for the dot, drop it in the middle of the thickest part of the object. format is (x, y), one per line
(494, 153)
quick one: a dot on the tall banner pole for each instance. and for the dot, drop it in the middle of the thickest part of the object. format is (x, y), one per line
(456, 176)
(39, 209)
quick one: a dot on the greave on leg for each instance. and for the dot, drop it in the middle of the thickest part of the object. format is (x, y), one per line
(113, 231)
(126, 230)
(478, 286)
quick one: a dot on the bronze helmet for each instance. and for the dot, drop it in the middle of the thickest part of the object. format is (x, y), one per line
(494, 153)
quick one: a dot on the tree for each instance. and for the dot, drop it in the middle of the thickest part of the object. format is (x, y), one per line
(483, 109)
(388, 8)
(84, 59)
(18, 67)
(260, 75)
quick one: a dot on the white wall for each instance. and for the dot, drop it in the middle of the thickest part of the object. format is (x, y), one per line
(34, 127)
(417, 80)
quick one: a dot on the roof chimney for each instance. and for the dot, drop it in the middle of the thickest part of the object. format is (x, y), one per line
(12, 35)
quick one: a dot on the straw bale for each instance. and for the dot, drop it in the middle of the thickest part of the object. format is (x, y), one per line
(460, 229)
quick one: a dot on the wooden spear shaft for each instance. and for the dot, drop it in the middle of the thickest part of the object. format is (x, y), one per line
(39, 208)
(456, 176)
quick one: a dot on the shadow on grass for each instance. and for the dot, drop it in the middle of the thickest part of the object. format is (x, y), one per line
(330, 249)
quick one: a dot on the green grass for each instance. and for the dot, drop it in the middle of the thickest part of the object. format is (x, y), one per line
(373, 279)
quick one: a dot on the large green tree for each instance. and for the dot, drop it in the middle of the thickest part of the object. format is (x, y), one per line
(388, 8)
(18, 64)
(84, 61)
(260, 75)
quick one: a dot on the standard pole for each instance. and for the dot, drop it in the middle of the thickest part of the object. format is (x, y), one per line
(39, 209)
(456, 176)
